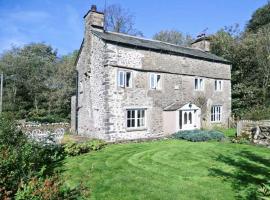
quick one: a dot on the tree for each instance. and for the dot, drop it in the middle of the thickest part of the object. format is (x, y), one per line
(64, 86)
(38, 85)
(120, 20)
(259, 18)
(261, 42)
(30, 68)
(174, 37)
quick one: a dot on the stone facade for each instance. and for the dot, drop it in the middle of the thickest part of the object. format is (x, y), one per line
(102, 104)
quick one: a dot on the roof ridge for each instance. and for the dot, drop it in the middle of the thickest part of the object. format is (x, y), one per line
(158, 45)
(153, 40)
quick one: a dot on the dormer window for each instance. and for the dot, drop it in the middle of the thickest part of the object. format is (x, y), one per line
(124, 79)
(155, 81)
(198, 84)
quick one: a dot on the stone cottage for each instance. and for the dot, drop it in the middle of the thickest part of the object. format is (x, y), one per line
(130, 87)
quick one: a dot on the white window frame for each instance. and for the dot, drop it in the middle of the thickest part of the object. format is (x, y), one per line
(216, 113)
(154, 82)
(200, 84)
(139, 118)
(218, 85)
(122, 79)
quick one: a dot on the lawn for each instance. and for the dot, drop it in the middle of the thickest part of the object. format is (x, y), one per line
(170, 169)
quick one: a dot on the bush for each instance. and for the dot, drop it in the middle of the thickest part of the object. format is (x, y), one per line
(199, 135)
(49, 188)
(73, 149)
(43, 116)
(240, 140)
(264, 191)
(21, 159)
(256, 113)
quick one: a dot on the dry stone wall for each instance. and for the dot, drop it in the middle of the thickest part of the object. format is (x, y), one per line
(256, 131)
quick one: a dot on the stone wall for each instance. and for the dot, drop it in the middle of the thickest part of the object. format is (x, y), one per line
(175, 87)
(256, 131)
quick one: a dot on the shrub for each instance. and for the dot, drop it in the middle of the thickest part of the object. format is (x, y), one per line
(257, 113)
(49, 188)
(73, 149)
(21, 159)
(199, 135)
(240, 140)
(264, 191)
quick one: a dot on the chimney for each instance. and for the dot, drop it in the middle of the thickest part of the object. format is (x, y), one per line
(94, 19)
(202, 43)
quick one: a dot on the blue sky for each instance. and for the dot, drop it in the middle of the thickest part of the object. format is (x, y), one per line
(60, 22)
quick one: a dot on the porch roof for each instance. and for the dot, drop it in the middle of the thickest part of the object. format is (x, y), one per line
(180, 105)
(174, 106)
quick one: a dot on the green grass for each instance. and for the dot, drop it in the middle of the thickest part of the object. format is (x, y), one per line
(229, 132)
(170, 169)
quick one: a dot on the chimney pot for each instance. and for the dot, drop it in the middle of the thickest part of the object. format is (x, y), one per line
(94, 8)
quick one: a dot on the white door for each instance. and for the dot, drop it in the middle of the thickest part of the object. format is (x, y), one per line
(189, 119)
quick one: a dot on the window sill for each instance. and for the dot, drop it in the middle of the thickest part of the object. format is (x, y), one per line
(136, 129)
(214, 122)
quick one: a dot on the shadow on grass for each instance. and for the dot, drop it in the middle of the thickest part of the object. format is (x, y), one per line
(248, 172)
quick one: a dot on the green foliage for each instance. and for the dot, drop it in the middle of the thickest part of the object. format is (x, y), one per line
(259, 18)
(20, 158)
(240, 140)
(174, 37)
(37, 83)
(199, 135)
(49, 188)
(249, 53)
(257, 113)
(73, 149)
(263, 192)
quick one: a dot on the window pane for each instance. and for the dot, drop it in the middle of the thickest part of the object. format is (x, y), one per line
(201, 84)
(185, 118)
(128, 114)
(190, 117)
(139, 113)
(121, 78)
(133, 123)
(152, 81)
(158, 81)
(128, 79)
(133, 113)
(128, 123)
(142, 122)
(138, 123)
(215, 85)
(196, 83)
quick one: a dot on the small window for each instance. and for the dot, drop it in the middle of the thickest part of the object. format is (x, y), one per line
(216, 112)
(135, 118)
(218, 85)
(199, 84)
(124, 79)
(155, 81)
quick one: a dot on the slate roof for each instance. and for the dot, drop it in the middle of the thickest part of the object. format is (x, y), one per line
(174, 106)
(157, 46)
